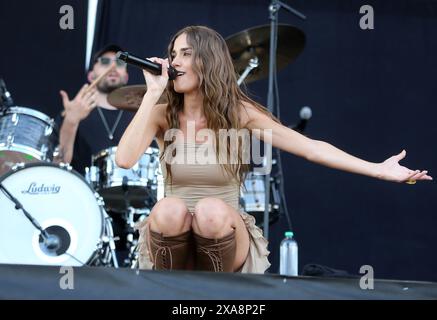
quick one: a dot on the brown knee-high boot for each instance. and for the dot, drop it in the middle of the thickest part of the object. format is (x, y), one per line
(215, 254)
(170, 253)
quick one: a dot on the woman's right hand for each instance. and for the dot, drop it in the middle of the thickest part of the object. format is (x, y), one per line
(157, 83)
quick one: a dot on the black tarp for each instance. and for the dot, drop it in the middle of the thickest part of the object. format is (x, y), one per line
(43, 282)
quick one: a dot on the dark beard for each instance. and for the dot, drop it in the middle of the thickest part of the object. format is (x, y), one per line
(104, 87)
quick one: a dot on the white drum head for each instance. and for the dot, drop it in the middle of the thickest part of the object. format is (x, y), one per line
(61, 202)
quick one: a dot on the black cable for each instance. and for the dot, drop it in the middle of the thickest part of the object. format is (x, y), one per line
(73, 257)
(280, 172)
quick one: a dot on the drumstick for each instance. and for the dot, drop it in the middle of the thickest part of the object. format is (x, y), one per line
(94, 83)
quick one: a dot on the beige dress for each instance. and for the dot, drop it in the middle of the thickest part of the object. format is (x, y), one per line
(192, 181)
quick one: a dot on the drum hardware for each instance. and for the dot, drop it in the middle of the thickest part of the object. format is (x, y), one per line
(43, 151)
(133, 262)
(109, 239)
(49, 129)
(6, 100)
(130, 221)
(276, 194)
(14, 119)
(58, 155)
(253, 63)
(18, 166)
(65, 166)
(252, 197)
(131, 239)
(9, 141)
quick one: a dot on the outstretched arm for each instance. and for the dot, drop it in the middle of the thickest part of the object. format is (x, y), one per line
(324, 153)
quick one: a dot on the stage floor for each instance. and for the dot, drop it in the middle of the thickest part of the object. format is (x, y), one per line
(46, 282)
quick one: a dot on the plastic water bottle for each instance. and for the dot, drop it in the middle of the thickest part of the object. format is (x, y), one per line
(288, 255)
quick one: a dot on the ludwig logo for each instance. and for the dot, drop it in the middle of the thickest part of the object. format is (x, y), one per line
(42, 189)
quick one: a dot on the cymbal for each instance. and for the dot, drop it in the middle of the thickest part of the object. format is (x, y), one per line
(255, 42)
(130, 97)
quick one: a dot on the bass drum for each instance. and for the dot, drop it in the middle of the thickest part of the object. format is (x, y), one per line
(61, 201)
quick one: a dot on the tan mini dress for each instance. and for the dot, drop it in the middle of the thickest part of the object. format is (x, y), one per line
(193, 180)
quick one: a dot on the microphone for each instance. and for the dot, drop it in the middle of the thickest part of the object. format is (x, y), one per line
(5, 96)
(305, 114)
(152, 67)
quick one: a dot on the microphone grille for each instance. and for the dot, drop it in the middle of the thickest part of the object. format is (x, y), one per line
(305, 113)
(121, 55)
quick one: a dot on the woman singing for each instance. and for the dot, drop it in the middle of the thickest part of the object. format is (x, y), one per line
(198, 224)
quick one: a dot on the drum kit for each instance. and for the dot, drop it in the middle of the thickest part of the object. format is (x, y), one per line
(64, 218)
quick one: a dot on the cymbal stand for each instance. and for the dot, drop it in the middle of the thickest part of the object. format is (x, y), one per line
(132, 243)
(129, 220)
(253, 63)
(111, 240)
(129, 217)
(274, 8)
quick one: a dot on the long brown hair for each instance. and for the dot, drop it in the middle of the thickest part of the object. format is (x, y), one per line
(222, 97)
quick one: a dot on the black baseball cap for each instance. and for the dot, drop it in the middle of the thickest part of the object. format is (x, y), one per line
(108, 48)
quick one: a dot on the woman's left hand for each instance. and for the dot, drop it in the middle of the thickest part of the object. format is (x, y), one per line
(391, 170)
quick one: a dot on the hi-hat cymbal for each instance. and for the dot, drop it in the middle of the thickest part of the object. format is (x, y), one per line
(255, 42)
(130, 97)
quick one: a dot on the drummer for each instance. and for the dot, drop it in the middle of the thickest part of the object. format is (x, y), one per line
(90, 123)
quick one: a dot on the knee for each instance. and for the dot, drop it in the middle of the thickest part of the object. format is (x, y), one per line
(212, 217)
(169, 215)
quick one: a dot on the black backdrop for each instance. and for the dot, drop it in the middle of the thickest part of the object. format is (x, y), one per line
(38, 58)
(372, 94)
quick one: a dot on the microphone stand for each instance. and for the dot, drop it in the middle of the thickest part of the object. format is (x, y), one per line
(5, 97)
(274, 8)
(51, 241)
(19, 206)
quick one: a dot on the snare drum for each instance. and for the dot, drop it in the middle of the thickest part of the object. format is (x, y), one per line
(138, 187)
(63, 203)
(26, 135)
